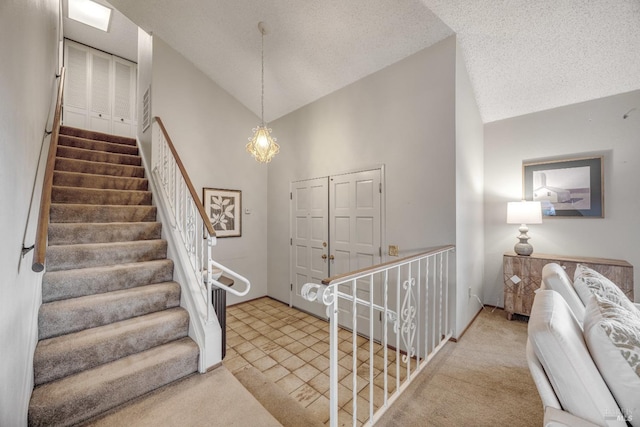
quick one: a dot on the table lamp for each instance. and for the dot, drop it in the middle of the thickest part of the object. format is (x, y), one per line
(524, 213)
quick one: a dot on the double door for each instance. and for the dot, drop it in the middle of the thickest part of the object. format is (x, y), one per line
(100, 91)
(336, 228)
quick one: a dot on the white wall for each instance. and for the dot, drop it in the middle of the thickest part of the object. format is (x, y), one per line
(145, 66)
(402, 117)
(469, 199)
(594, 127)
(209, 129)
(29, 49)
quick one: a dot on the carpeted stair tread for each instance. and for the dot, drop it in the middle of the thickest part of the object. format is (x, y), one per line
(98, 156)
(64, 284)
(98, 168)
(71, 315)
(74, 212)
(96, 196)
(88, 180)
(69, 354)
(68, 257)
(76, 233)
(98, 136)
(92, 144)
(79, 397)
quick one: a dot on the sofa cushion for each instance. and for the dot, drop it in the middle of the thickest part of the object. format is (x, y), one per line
(612, 335)
(587, 281)
(556, 339)
(555, 277)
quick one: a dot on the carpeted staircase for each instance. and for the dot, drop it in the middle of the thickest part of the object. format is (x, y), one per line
(110, 326)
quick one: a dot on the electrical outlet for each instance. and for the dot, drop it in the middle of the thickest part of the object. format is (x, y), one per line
(393, 250)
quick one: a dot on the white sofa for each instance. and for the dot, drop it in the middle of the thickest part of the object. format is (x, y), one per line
(582, 374)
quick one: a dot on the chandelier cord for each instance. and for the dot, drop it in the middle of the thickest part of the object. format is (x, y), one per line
(262, 77)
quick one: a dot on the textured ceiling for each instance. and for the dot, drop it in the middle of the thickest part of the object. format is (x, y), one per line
(522, 56)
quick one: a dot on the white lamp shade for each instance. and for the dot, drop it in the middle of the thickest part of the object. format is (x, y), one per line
(524, 212)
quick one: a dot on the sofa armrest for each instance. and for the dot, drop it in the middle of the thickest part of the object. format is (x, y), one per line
(558, 418)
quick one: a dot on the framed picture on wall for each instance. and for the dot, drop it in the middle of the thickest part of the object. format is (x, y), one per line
(224, 209)
(566, 188)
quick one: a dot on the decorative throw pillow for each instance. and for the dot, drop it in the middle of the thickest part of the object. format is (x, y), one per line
(587, 281)
(612, 334)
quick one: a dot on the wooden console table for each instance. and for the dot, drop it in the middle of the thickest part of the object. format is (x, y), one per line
(523, 276)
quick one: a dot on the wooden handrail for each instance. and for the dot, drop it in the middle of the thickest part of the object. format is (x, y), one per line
(40, 245)
(353, 274)
(183, 171)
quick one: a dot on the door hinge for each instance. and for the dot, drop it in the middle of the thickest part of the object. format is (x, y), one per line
(291, 196)
(291, 241)
(380, 251)
(380, 187)
(292, 286)
(380, 314)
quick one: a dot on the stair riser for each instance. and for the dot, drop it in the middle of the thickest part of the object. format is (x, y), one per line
(98, 156)
(72, 179)
(91, 196)
(91, 144)
(67, 213)
(69, 354)
(69, 257)
(97, 168)
(78, 398)
(98, 136)
(67, 316)
(70, 234)
(61, 285)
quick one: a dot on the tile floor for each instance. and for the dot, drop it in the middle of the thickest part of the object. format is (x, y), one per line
(291, 348)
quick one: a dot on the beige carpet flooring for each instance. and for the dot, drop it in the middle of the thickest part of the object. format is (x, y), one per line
(212, 399)
(482, 380)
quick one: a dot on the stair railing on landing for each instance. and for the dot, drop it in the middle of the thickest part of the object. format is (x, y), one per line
(40, 245)
(390, 320)
(189, 217)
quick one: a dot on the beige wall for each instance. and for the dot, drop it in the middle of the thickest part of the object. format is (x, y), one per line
(29, 37)
(403, 117)
(469, 199)
(210, 130)
(594, 127)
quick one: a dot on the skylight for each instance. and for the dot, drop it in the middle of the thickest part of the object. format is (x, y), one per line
(90, 13)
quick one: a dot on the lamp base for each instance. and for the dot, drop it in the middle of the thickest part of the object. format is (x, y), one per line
(523, 247)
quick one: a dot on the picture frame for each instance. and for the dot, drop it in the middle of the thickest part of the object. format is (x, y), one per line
(571, 187)
(224, 209)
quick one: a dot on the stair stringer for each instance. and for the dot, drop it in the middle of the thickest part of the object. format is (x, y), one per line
(207, 334)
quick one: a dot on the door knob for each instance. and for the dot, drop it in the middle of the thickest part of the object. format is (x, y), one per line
(324, 256)
(332, 257)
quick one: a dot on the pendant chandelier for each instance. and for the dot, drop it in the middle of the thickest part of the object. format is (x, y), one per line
(261, 145)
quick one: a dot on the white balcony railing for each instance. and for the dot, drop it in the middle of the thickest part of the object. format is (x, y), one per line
(372, 361)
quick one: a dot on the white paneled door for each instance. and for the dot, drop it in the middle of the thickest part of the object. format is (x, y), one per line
(355, 236)
(338, 237)
(310, 239)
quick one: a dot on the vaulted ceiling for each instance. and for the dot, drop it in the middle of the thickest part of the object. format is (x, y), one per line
(522, 56)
